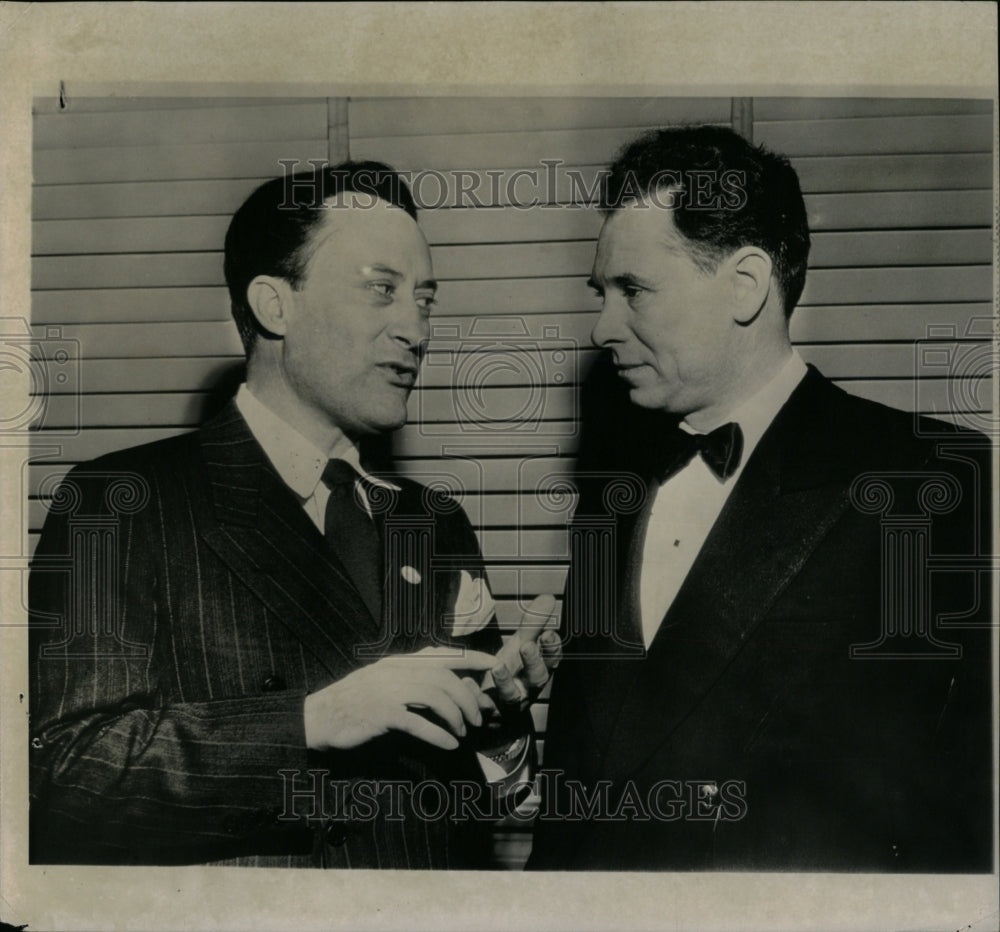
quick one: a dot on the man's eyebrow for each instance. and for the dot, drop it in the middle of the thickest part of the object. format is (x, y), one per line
(625, 280)
(383, 269)
(427, 284)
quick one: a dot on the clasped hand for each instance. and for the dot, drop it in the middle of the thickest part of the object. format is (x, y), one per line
(390, 694)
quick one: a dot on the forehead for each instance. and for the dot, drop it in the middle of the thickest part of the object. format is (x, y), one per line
(358, 229)
(639, 233)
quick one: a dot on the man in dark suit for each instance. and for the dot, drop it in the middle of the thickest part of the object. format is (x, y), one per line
(247, 648)
(777, 618)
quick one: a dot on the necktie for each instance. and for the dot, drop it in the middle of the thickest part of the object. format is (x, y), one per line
(721, 450)
(352, 535)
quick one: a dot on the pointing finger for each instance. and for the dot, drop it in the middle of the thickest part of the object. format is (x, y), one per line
(536, 616)
(536, 673)
(552, 649)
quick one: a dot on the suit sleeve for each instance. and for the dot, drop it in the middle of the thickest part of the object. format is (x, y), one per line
(118, 772)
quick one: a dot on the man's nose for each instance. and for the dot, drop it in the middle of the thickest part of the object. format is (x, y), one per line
(411, 328)
(610, 325)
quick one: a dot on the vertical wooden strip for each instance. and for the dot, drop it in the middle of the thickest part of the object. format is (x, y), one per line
(742, 117)
(338, 130)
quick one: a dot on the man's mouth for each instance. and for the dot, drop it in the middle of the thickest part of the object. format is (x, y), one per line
(400, 373)
(628, 369)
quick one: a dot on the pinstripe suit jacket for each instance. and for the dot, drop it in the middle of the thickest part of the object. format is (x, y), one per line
(182, 606)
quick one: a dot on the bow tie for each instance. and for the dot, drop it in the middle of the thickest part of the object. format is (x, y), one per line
(721, 450)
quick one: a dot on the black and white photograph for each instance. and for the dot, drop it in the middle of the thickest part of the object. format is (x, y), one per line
(487, 491)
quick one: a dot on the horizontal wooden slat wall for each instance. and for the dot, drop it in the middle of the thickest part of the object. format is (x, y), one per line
(914, 264)
(131, 201)
(132, 198)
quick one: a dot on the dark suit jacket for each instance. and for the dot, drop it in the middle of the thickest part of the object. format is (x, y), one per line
(814, 758)
(182, 606)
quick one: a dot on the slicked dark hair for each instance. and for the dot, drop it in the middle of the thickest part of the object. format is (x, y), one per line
(732, 194)
(270, 233)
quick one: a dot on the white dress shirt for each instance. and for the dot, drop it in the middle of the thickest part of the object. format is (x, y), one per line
(687, 505)
(297, 460)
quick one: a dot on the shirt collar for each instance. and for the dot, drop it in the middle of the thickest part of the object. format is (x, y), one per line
(298, 461)
(756, 413)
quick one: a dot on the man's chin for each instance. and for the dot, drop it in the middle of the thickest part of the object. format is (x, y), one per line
(386, 421)
(653, 398)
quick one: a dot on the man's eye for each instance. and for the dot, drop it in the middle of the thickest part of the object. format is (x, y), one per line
(386, 289)
(426, 302)
(631, 291)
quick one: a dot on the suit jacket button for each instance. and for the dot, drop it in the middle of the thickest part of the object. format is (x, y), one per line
(273, 683)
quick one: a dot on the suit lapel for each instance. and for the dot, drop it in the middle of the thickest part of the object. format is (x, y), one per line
(414, 588)
(261, 532)
(605, 638)
(785, 501)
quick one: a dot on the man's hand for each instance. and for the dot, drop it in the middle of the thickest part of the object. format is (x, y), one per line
(381, 698)
(525, 663)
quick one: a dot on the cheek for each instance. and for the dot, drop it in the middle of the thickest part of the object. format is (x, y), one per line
(685, 346)
(701, 328)
(323, 365)
(664, 331)
(334, 342)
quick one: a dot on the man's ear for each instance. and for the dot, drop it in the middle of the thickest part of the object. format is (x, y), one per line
(750, 269)
(270, 300)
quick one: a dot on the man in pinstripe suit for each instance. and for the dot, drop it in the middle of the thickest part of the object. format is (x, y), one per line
(245, 647)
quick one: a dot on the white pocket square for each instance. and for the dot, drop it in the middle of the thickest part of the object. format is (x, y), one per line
(474, 606)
